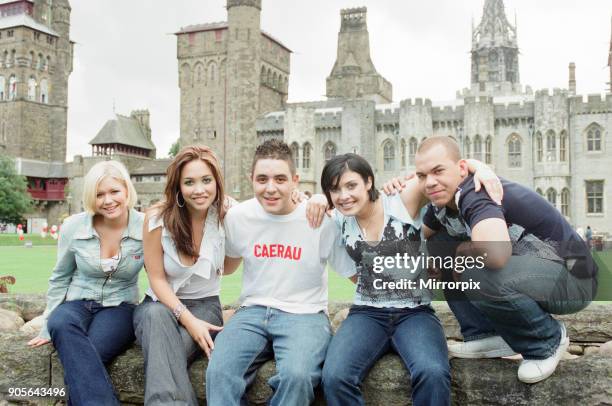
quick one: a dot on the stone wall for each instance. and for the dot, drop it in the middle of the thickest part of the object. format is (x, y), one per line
(578, 380)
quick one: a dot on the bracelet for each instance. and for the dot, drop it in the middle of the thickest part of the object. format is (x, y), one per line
(178, 310)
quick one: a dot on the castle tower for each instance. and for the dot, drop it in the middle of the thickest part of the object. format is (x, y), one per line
(354, 75)
(36, 60)
(495, 68)
(610, 58)
(243, 68)
(229, 74)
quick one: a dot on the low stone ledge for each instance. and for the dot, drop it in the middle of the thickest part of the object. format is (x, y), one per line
(584, 380)
(591, 325)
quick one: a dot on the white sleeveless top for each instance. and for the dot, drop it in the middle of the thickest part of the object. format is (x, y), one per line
(202, 279)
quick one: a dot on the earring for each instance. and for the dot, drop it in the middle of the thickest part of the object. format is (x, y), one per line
(177, 200)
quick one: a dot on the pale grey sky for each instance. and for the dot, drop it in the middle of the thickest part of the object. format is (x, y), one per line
(125, 51)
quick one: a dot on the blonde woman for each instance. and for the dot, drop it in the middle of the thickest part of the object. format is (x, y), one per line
(93, 289)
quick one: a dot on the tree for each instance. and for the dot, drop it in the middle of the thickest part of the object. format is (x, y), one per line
(15, 200)
(174, 149)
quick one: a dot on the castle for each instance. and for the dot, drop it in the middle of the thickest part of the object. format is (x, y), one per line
(233, 80)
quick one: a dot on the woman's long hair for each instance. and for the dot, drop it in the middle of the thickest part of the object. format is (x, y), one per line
(177, 220)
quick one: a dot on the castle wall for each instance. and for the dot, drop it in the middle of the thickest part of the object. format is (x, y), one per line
(587, 165)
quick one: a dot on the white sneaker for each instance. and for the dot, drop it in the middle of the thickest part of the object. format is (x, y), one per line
(489, 347)
(536, 370)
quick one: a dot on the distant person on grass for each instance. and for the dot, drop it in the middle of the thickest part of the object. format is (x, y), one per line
(535, 263)
(184, 245)
(93, 288)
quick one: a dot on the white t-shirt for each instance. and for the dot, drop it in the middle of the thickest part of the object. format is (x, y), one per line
(284, 259)
(203, 278)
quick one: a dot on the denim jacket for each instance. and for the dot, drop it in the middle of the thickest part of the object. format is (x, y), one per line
(78, 272)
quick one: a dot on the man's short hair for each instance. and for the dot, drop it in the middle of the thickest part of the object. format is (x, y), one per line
(449, 144)
(274, 149)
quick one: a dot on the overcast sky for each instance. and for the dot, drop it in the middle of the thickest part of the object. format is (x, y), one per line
(125, 51)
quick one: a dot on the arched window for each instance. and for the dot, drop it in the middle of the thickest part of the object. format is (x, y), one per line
(32, 61)
(514, 151)
(489, 150)
(551, 196)
(565, 198)
(329, 151)
(262, 75)
(41, 62)
(32, 88)
(212, 72)
(467, 147)
(539, 147)
(2, 87)
(200, 75)
(306, 155)
(389, 155)
(412, 148)
(403, 152)
(478, 147)
(539, 191)
(185, 78)
(12, 87)
(44, 91)
(594, 133)
(563, 147)
(47, 62)
(295, 151)
(551, 146)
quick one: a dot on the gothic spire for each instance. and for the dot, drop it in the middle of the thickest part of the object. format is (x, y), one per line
(495, 52)
(610, 57)
(494, 28)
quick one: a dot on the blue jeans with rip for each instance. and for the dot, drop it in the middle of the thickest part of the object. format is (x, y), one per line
(87, 336)
(368, 333)
(298, 343)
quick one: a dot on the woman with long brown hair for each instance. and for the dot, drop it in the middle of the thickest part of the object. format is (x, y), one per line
(184, 244)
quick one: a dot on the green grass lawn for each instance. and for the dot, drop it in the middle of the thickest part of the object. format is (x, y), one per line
(36, 239)
(32, 267)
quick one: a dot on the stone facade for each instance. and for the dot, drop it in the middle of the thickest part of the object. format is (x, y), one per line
(35, 63)
(552, 141)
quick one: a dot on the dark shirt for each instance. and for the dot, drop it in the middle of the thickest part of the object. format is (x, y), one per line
(535, 226)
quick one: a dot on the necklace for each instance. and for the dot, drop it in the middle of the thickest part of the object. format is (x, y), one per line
(370, 217)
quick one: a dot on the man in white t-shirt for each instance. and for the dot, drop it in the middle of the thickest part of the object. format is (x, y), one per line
(284, 290)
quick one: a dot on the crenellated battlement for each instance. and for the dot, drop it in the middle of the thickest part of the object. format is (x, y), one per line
(328, 119)
(447, 113)
(478, 99)
(514, 110)
(417, 102)
(591, 104)
(387, 115)
(271, 122)
(551, 92)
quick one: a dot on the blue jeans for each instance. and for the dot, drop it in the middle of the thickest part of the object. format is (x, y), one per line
(87, 336)
(298, 343)
(516, 302)
(416, 335)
